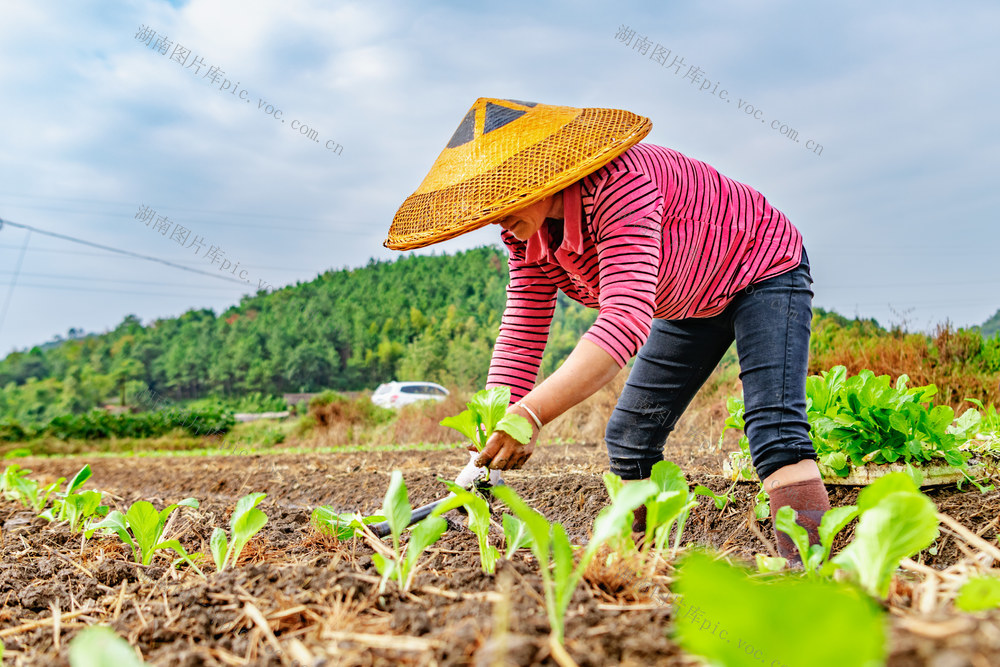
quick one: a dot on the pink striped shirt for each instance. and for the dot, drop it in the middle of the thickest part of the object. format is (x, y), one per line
(651, 234)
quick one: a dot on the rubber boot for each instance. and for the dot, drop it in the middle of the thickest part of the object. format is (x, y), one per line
(810, 501)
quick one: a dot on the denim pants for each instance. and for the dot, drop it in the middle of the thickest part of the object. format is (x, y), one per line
(770, 322)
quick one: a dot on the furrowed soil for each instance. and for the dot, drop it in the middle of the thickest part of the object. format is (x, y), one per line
(298, 597)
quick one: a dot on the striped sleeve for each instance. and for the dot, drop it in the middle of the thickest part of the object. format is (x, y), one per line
(524, 328)
(627, 218)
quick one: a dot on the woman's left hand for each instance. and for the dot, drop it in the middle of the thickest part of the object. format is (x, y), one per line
(503, 452)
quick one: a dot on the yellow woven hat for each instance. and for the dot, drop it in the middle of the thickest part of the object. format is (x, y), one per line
(506, 155)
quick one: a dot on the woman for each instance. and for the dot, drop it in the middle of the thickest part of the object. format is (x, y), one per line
(679, 260)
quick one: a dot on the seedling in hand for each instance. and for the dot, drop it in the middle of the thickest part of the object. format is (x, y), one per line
(486, 413)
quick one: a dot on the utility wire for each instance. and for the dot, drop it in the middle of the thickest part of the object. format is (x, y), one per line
(119, 251)
(13, 281)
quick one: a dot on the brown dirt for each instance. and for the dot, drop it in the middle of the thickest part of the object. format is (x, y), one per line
(320, 599)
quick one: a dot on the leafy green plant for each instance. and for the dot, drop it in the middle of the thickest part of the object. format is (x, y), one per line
(865, 419)
(397, 563)
(979, 594)
(16, 485)
(740, 459)
(720, 500)
(80, 507)
(486, 413)
(554, 553)
(516, 535)
(989, 421)
(895, 521)
(245, 522)
(8, 480)
(141, 528)
(478, 511)
(12, 431)
(669, 506)
(816, 555)
(342, 525)
(98, 424)
(99, 646)
(726, 617)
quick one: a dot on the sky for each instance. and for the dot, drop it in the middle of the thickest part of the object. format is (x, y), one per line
(890, 173)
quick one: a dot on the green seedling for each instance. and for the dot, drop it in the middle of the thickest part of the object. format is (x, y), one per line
(99, 646)
(342, 525)
(74, 507)
(895, 521)
(720, 499)
(141, 528)
(516, 535)
(669, 506)
(80, 507)
(478, 511)
(979, 594)
(486, 413)
(727, 618)
(396, 563)
(814, 557)
(33, 495)
(554, 553)
(246, 522)
(8, 481)
(762, 506)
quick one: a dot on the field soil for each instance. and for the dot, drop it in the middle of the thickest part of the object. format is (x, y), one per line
(298, 597)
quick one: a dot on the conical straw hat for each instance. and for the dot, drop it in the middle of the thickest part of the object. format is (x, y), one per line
(505, 155)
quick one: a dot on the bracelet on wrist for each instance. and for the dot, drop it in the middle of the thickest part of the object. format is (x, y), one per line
(534, 417)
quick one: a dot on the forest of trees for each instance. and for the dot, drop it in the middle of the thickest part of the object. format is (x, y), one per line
(419, 317)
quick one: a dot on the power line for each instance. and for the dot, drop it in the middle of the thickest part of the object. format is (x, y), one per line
(117, 291)
(120, 251)
(327, 227)
(115, 280)
(13, 281)
(100, 254)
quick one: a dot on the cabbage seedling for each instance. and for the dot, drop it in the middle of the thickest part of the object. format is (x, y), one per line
(342, 525)
(516, 535)
(669, 506)
(75, 507)
(246, 522)
(141, 528)
(81, 506)
(554, 553)
(397, 510)
(16, 485)
(486, 413)
(895, 521)
(479, 521)
(100, 646)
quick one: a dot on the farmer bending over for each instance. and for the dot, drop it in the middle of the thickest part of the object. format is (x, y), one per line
(679, 261)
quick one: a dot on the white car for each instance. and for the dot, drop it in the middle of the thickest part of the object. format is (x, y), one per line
(398, 394)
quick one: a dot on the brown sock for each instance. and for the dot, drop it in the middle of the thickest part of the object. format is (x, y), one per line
(639, 523)
(810, 501)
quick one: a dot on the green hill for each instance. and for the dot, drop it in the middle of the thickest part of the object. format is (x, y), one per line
(991, 327)
(419, 317)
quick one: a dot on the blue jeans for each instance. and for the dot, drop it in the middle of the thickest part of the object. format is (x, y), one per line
(770, 322)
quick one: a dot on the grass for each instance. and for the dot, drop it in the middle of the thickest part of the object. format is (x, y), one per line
(224, 451)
